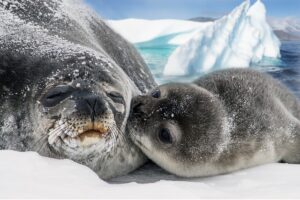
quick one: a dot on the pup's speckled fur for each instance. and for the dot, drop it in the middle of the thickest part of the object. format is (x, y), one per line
(222, 122)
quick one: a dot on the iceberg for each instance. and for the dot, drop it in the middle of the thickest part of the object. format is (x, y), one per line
(142, 30)
(237, 40)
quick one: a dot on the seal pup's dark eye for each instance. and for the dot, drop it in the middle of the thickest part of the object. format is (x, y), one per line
(155, 94)
(116, 97)
(165, 136)
(56, 95)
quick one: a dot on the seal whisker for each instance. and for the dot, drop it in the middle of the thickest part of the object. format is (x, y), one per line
(120, 133)
(55, 133)
(124, 138)
(38, 141)
(114, 141)
(42, 144)
(46, 135)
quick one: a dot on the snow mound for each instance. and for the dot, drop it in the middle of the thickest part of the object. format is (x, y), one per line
(28, 175)
(237, 40)
(141, 30)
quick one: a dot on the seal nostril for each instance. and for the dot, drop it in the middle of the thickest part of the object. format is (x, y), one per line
(90, 104)
(99, 106)
(136, 109)
(95, 106)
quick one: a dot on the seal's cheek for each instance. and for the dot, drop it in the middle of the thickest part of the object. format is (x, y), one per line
(41, 124)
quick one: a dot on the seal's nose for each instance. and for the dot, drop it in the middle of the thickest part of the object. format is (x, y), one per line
(92, 105)
(137, 106)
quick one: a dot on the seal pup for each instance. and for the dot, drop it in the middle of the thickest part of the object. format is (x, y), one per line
(66, 82)
(222, 122)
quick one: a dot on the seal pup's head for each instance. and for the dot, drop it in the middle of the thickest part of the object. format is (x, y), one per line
(179, 126)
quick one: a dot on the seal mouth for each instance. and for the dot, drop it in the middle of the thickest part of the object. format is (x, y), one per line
(90, 134)
(94, 133)
(93, 130)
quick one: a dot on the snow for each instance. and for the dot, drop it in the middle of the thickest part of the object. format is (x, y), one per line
(237, 40)
(141, 30)
(28, 175)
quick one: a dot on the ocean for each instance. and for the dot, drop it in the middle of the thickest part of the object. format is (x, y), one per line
(286, 68)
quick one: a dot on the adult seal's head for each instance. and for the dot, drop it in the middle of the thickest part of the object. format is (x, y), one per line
(66, 82)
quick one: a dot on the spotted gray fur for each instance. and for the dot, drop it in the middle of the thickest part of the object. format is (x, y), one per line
(47, 44)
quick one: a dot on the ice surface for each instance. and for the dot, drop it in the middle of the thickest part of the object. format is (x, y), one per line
(236, 40)
(28, 175)
(141, 30)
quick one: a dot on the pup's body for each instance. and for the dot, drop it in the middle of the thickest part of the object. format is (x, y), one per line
(225, 121)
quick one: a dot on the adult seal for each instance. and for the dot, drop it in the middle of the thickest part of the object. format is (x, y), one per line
(66, 82)
(224, 121)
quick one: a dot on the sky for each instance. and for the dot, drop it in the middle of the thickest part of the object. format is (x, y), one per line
(185, 9)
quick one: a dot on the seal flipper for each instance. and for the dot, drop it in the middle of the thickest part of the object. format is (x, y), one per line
(293, 155)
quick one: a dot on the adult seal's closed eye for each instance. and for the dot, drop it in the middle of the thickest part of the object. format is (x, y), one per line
(225, 121)
(66, 82)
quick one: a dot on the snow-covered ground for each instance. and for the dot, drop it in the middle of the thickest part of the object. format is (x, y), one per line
(238, 39)
(28, 175)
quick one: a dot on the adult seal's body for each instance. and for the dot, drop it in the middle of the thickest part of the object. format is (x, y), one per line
(66, 82)
(224, 121)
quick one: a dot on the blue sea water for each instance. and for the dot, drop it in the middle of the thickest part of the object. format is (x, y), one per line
(286, 69)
